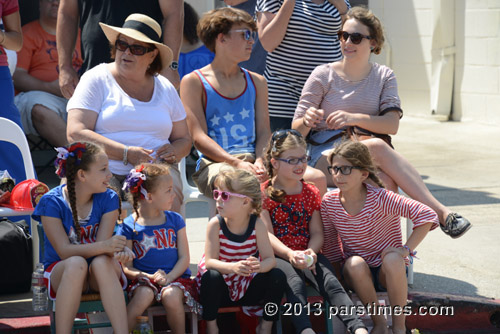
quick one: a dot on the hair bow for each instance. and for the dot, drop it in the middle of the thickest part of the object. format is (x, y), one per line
(75, 150)
(133, 182)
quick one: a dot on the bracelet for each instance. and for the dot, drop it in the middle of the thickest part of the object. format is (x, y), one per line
(125, 151)
(411, 254)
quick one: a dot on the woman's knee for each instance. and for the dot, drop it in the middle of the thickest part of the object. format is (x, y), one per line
(211, 278)
(75, 267)
(377, 147)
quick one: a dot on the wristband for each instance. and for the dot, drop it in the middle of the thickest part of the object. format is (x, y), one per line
(411, 254)
(125, 151)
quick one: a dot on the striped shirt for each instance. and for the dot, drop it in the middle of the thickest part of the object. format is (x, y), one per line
(310, 40)
(372, 230)
(233, 248)
(326, 90)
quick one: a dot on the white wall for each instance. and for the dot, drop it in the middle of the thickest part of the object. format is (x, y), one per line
(409, 32)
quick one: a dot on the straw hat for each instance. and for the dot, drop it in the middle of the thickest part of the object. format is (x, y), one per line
(142, 28)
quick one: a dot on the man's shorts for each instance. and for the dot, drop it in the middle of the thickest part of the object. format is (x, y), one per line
(27, 100)
(208, 170)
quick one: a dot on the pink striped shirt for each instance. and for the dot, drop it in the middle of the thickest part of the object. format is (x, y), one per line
(376, 227)
(233, 248)
(326, 90)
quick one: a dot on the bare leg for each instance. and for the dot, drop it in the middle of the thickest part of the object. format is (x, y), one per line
(392, 275)
(264, 327)
(212, 327)
(104, 277)
(173, 301)
(317, 177)
(68, 279)
(405, 175)
(359, 277)
(143, 297)
(49, 125)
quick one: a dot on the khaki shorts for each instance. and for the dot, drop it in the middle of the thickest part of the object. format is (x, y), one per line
(207, 173)
(27, 100)
(117, 182)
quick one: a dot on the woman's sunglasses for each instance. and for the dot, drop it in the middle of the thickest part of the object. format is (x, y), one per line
(224, 195)
(356, 37)
(280, 134)
(344, 170)
(247, 34)
(136, 50)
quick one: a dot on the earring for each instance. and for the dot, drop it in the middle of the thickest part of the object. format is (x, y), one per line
(372, 48)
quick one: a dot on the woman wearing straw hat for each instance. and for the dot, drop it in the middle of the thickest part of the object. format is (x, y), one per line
(128, 108)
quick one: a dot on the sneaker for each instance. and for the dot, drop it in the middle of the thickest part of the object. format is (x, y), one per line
(456, 225)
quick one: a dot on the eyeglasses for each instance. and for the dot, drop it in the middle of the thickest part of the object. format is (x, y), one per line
(224, 195)
(296, 161)
(136, 50)
(356, 37)
(344, 170)
(280, 134)
(247, 33)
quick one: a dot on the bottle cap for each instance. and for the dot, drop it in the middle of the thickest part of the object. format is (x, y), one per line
(142, 318)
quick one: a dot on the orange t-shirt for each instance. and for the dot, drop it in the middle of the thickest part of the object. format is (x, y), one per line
(39, 53)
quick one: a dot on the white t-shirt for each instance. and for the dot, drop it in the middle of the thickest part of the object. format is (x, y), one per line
(125, 119)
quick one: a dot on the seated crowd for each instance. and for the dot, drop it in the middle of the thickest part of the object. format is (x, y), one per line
(277, 226)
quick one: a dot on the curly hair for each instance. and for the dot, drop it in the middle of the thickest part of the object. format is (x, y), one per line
(220, 21)
(367, 18)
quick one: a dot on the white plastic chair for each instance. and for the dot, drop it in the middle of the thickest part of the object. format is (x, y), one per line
(192, 194)
(12, 133)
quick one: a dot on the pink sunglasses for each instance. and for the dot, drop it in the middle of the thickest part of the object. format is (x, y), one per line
(224, 195)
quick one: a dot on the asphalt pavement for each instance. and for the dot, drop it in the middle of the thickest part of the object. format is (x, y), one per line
(459, 162)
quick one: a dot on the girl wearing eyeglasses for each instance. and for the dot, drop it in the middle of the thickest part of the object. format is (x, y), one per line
(362, 230)
(238, 265)
(291, 214)
(358, 98)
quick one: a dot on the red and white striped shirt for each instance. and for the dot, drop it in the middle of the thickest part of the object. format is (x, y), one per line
(234, 248)
(376, 227)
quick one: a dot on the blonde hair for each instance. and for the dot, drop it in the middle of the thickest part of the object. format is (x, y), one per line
(358, 155)
(288, 141)
(367, 18)
(221, 20)
(241, 182)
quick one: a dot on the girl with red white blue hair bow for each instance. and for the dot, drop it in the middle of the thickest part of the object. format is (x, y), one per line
(158, 239)
(81, 253)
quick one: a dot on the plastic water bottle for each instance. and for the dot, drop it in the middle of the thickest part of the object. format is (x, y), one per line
(142, 326)
(40, 301)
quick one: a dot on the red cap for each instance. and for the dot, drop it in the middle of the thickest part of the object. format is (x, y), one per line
(27, 194)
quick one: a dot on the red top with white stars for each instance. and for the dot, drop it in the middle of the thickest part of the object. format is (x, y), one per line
(291, 218)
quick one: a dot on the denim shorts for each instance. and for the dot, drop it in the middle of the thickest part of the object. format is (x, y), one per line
(316, 151)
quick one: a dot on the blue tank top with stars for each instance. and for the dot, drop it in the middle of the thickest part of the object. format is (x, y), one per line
(231, 121)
